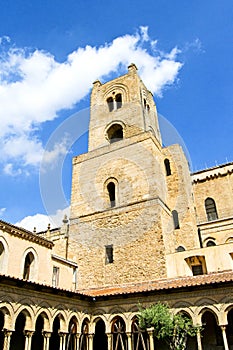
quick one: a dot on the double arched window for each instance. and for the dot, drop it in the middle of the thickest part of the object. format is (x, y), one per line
(211, 210)
(114, 102)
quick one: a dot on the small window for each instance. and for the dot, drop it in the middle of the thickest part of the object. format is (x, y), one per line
(55, 277)
(197, 270)
(180, 249)
(167, 167)
(210, 243)
(118, 100)
(27, 265)
(112, 194)
(175, 219)
(110, 104)
(115, 133)
(109, 254)
(211, 210)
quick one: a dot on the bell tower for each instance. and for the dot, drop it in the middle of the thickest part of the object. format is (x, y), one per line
(121, 108)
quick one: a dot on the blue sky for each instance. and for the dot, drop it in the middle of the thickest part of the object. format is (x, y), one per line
(52, 51)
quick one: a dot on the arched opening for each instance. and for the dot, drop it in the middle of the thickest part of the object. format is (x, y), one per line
(229, 329)
(71, 338)
(83, 344)
(175, 219)
(112, 193)
(100, 340)
(115, 133)
(210, 243)
(191, 342)
(118, 100)
(119, 338)
(211, 210)
(211, 334)
(140, 339)
(1, 329)
(29, 259)
(2, 251)
(167, 167)
(180, 248)
(37, 338)
(18, 337)
(54, 343)
(110, 104)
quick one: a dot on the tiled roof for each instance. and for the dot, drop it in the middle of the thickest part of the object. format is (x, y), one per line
(159, 285)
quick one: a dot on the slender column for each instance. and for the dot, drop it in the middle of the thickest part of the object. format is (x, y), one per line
(62, 341)
(7, 339)
(109, 335)
(129, 338)
(150, 332)
(77, 337)
(90, 341)
(46, 336)
(199, 344)
(223, 328)
(28, 339)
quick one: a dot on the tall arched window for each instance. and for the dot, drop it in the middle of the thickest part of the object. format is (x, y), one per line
(29, 259)
(167, 166)
(118, 101)
(115, 133)
(112, 193)
(211, 210)
(2, 253)
(175, 219)
(110, 104)
(119, 338)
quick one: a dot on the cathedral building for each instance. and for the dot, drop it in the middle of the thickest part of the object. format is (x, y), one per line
(142, 230)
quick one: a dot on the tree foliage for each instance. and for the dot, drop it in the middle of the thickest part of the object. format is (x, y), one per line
(174, 329)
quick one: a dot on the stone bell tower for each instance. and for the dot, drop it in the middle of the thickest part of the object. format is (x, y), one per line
(120, 222)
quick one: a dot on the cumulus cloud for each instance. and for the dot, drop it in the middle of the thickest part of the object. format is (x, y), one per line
(35, 87)
(40, 221)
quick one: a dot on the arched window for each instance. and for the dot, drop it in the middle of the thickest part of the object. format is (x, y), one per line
(119, 338)
(180, 248)
(118, 101)
(110, 104)
(27, 265)
(211, 210)
(2, 252)
(175, 219)
(112, 193)
(167, 167)
(210, 243)
(115, 133)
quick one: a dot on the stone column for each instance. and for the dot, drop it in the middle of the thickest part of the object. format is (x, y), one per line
(62, 341)
(109, 335)
(129, 338)
(150, 332)
(77, 337)
(199, 344)
(7, 339)
(223, 328)
(46, 336)
(28, 339)
(90, 341)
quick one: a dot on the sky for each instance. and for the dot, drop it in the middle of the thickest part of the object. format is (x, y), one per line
(52, 51)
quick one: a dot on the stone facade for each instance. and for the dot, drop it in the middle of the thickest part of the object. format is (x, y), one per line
(142, 229)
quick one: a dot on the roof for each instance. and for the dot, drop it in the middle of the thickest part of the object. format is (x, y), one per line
(162, 285)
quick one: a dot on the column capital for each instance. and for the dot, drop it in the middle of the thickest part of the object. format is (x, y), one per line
(28, 333)
(46, 334)
(7, 332)
(129, 334)
(150, 330)
(223, 327)
(90, 335)
(62, 334)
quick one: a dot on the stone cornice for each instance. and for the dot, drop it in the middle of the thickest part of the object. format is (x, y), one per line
(25, 234)
(212, 173)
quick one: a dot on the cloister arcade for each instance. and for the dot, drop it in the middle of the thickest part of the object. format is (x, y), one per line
(31, 328)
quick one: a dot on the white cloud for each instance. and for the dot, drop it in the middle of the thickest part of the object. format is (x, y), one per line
(41, 221)
(34, 87)
(2, 211)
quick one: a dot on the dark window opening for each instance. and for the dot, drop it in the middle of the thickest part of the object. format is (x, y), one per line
(112, 194)
(197, 270)
(211, 210)
(175, 219)
(115, 133)
(180, 249)
(144, 101)
(27, 265)
(55, 277)
(118, 101)
(110, 104)
(210, 243)
(167, 167)
(109, 254)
